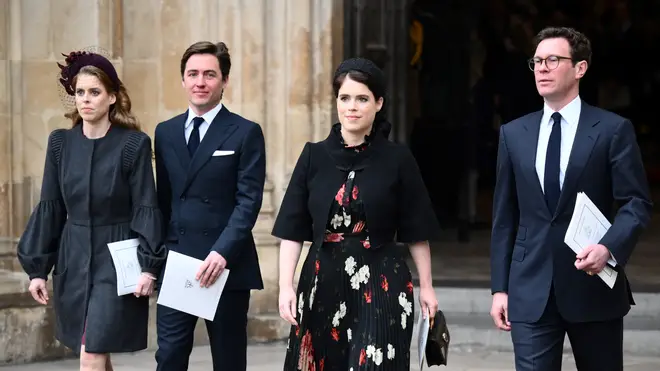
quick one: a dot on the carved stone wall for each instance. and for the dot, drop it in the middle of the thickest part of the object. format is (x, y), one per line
(283, 55)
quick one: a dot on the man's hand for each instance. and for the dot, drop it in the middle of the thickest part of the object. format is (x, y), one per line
(592, 259)
(500, 311)
(211, 268)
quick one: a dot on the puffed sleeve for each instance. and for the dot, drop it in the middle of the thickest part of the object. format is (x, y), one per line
(147, 220)
(37, 248)
(294, 221)
(416, 219)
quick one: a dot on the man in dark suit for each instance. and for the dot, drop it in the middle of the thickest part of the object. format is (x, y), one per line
(211, 169)
(541, 289)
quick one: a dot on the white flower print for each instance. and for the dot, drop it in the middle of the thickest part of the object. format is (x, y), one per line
(362, 276)
(349, 265)
(376, 354)
(364, 273)
(301, 305)
(355, 282)
(347, 219)
(311, 295)
(405, 304)
(378, 357)
(370, 351)
(390, 351)
(336, 221)
(407, 309)
(349, 333)
(341, 313)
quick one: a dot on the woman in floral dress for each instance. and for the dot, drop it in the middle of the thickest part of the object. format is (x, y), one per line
(354, 196)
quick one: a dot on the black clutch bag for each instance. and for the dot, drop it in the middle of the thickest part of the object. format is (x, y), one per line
(437, 344)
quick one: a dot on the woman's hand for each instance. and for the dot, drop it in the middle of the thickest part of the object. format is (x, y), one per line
(38, 290)
(428, 301)
(288, 305)
(145, 285)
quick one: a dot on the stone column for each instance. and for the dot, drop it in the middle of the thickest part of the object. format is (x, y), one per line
(32, 36)
(5, 134)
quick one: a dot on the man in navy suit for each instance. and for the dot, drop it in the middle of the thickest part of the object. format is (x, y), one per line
(541, 289)
(211, 169)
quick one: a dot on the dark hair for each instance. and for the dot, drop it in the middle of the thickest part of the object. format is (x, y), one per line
(374, 86)
(220, 51)
(579, 44)
(120, 112)
(377, 88)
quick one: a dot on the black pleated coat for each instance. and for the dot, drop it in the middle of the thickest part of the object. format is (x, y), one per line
(94, 191)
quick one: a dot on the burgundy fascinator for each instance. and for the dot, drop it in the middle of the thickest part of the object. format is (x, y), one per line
(73, 62)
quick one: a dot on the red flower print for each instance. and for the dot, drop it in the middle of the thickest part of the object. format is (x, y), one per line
(410, 287)
(333, 237)
(383, 283)
(321, 364)
(317, 265)
(359, 226)
(354, 194)
(297, 330)
(335, 334)
(366, 244)
(339, 197)
(306, 358)
(363, 357)
(367, 296)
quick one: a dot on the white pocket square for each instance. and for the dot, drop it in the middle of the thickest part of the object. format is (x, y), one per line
(222, 153)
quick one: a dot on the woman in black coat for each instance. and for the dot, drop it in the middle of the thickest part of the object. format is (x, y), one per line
(98, 187)
(354, 196)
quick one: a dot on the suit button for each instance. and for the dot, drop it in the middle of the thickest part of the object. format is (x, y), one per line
(205, 200)
(183, 198)
(206, 233)
(182, 231)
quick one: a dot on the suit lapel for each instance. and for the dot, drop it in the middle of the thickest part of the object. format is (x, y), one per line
(219, 130)
(529, 146)
(179, 141)
(585, 139)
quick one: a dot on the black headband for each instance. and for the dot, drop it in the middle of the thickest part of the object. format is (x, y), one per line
(367, 67)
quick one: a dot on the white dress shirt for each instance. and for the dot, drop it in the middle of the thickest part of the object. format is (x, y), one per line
(570, 116)
(208, 119)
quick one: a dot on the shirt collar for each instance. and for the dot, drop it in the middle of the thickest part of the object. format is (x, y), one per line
(208, 116)
(570, 112)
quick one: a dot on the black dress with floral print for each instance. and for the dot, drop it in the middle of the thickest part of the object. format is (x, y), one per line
(355, 303)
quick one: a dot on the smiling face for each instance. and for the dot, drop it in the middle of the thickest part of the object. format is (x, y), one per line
(356, 106)
(92, 98)
(560, 83)
(203, 82)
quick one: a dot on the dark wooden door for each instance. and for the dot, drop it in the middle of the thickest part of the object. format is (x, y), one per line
(378, 30)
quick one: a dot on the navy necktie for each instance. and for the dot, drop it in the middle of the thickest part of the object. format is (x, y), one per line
(551, 186)
(193, 141)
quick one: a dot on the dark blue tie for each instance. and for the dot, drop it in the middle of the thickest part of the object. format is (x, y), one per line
(551, 178)
(193, 141)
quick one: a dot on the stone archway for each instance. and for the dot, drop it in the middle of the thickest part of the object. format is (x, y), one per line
(283, 54)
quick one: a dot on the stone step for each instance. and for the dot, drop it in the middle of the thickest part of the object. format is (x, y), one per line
(471, 328)
(8, 260)
(28, 328)
(476, 333)
(478, 301)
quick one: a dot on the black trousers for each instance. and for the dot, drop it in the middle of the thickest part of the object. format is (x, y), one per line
(597, 346)
(227, 335)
